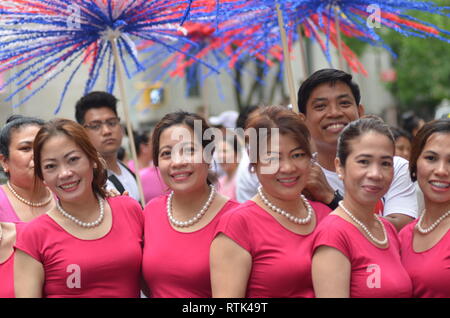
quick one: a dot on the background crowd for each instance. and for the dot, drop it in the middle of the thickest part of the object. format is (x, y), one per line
(334, 204)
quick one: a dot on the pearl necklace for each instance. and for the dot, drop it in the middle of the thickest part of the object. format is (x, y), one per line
(373, 238)
(79, 222)
(197, 217)
(289, 216)
(33, 204)
(432, 226)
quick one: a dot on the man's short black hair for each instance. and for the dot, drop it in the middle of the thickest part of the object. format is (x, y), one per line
(325, 76)
(94, 100)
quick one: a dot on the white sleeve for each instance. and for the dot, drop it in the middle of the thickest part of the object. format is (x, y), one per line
(246, 182)
(401, 197)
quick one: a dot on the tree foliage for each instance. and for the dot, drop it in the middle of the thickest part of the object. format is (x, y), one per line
(422, 66)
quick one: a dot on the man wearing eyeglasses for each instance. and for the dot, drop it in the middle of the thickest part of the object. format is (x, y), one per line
(97, 112)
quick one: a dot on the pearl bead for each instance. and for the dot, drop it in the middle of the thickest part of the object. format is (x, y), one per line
(79, 222)
(373, 238)
(194, 219)
(432, 226)
(33, 204)
(289, 216)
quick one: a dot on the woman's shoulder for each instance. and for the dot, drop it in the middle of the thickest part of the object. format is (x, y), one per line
(248, 214)
(332, 221)
(123, 200)
(42, 225)
(245, 208)
(230, 205)
(159, 200)
(334, 227)
(320, 209)
(407, 230)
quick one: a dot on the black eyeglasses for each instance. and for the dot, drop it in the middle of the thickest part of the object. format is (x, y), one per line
(97, 124)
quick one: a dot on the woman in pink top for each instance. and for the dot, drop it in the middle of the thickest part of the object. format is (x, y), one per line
(229, 154)
(179, 227)
(152, 183)
(263, 247)
(7, 239)
(23, 197)
(87, 246)
(426, 242)
(356, 252)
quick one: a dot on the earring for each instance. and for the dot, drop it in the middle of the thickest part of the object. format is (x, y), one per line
(252, 169)
(340, 176)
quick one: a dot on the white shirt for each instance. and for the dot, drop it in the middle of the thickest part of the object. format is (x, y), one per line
(246, 182)
(400, 198)
(128, 182)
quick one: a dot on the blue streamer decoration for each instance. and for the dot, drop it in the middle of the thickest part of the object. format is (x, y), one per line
(45, 36)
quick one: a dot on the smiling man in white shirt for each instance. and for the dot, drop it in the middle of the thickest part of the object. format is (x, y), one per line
(329, 100)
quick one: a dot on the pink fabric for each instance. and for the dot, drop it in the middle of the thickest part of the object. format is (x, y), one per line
(7, 272)
(130, 164)
(109, 266)
(7, 213)
(429, 270)
(281, 259)
(152, 183)
(375, 272)
(7, 278)
(176, 264)
(228, 189)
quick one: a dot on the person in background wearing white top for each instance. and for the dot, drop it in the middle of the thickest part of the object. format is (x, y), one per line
(246, 182)
(329, 100)
(97, 113)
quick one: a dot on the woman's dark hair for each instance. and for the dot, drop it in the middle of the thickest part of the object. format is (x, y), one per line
(77, 134)
(398, 132)
(244, 114)
(331, 76)
(285, 120)
(410, 122)
(14, 123)
(420, 140)
(140, 138)
(187, 119)
(121, 153)
(357, 129)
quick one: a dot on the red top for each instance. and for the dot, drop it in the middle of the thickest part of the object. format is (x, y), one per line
(176, 264)
(281, 259)
(375, 272)
(429, 270)
(7, 278)
(7, 213)
(107, 267)
(7, 273)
